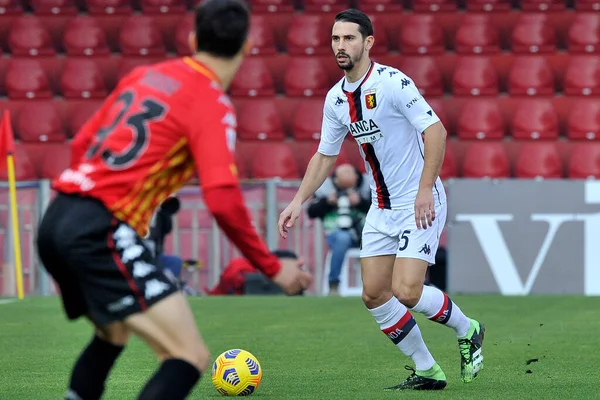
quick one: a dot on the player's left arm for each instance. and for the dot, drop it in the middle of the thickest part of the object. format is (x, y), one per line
(434, 137)
(211, 138)
(419, 113)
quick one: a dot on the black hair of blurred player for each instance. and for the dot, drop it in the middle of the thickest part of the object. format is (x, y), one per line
(365, 27)
(221, 27)
(220, 37)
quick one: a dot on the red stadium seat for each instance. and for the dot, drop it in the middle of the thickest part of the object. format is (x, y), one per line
(325, 6)
(83, 36)
(182, 34)
(488, 5)
(28, 37)
(80, 113)
(382, 44)
(421, 34)
(10, 7)
(480, 119)
(272, 6)
(531, 76)
(259, 120)
(24, 169)
(274, 160)
(543, 5)
(584, 120)
(109, 7)
(81, 78)
(450, 164)
(584, 33)
(253, 79)
(424, 72)
(587, 5)
(40, 122)
(54, 7)
(308, 34)
(475, 76)
(533, 33)
(305, 76)
(582, 76)
(539, 160)
(307, 120)
(434, 5)
(129, 64)
(379, 6)
(438, 107)
(55, 161)
(477, 35)
(262, 36)
(535, 119)
(485, 160)
(163, 6)
(140, 36)
(26, 79)
(584, 161)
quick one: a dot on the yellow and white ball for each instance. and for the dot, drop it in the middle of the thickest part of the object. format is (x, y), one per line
(236, 372)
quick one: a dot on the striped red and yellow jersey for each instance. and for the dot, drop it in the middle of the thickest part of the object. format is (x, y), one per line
(160, 124)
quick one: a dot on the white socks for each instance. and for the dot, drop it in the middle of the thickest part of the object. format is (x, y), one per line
(398, 324)
(437, 306)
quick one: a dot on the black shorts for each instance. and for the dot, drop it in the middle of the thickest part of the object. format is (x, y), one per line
(101, 265)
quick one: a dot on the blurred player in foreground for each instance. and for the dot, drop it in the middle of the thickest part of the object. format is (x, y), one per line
(385, 113)
(160, 124)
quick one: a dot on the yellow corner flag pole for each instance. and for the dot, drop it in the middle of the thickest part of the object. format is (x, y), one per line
(15, 223)
(7, 148)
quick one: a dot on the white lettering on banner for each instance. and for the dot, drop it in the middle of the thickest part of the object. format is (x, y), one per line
(496, 251)
(502, 264)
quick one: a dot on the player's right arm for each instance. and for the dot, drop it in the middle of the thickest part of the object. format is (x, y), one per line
(208, 136)
(319, 168)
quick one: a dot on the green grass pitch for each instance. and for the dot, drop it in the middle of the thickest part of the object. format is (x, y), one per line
(327, 348)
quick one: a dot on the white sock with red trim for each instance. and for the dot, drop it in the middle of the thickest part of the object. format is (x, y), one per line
(437, 306)
(397, 323)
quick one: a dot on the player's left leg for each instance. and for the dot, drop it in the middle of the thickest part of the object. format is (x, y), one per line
(379, 245)
(408, 285)
(88, 376)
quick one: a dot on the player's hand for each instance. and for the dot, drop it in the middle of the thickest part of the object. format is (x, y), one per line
(424, 209)
(288, 218)
(291, 277)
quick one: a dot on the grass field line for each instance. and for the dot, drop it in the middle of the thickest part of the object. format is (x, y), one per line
(7, 301)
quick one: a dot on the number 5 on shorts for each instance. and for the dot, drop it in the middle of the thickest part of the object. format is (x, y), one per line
(403, 240)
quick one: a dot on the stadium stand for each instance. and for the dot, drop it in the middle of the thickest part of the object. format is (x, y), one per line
(517, 83)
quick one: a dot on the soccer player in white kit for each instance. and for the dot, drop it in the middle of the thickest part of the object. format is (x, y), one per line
(402, 142)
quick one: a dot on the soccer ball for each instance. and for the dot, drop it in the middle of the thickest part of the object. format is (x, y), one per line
(236, 372)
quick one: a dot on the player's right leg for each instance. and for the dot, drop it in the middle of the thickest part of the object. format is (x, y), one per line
(378, 254)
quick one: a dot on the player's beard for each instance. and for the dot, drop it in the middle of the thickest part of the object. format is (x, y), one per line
(350, 62)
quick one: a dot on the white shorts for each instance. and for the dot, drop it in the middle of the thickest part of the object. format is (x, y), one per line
(395, 232)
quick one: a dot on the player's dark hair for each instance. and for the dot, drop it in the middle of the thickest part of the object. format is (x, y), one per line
(365, 27)
(222, 26)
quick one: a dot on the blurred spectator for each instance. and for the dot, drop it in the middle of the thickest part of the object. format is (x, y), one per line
(240, 277)
(160, 227)
(342, 202)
